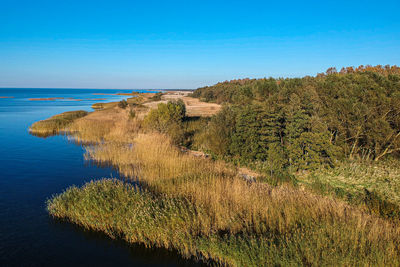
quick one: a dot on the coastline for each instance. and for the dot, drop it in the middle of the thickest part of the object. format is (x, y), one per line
(200, 207)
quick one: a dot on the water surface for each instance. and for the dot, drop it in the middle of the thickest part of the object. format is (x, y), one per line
(32, 169)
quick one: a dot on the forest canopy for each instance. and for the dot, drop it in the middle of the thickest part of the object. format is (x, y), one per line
(304, 122)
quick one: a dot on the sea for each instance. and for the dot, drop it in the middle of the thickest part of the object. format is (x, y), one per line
(32, 169)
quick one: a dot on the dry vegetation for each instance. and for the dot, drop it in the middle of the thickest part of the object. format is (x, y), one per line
(55, 124)
(194, 107)
(203, 208)
(134, 100)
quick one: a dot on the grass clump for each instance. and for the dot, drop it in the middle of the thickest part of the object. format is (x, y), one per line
(55, 124)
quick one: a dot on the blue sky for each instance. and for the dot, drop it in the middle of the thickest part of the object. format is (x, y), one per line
(188, 44)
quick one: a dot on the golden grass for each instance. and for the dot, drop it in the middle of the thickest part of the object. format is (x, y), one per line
(194, 107)
(104, 105)
(156, 162)
(55, 124)
(136, 99)
(203, 208)
(211, 204)
(108, 125)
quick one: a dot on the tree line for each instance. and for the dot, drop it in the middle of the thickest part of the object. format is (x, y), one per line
(301, 123)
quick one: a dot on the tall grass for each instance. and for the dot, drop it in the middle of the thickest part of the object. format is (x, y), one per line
(202, 208)
(55, 124)
(374, 185)
(122, 211)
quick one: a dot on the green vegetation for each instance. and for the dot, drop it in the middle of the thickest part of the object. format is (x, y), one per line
(123, 104)
(168, 118)
(372, 185)
(309, 121)
(55, 124)
(156, 97)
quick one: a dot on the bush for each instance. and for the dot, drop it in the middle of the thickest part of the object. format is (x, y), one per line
(168, 119)
(216, 137)
(123, 104)
(156, 97)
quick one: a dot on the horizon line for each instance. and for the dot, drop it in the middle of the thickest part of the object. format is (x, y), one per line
(77, 88)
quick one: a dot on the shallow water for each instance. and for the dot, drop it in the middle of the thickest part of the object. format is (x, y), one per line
(32, 169)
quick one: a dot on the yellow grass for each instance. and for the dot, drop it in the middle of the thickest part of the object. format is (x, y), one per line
(227, 204)
(203, 208)
(55, 124)
(194, 107)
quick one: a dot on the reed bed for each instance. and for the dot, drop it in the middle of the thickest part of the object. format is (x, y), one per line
(203, 209)
(109, 125)
(55, 124)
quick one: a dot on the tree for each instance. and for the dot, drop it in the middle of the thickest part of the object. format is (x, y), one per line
(167, 118)
(217, 136)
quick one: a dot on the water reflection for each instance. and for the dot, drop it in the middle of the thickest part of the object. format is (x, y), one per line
(142, 255)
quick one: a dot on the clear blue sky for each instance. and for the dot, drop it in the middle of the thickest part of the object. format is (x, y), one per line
(187, 44)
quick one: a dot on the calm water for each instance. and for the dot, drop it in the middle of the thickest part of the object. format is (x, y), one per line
(32, 169)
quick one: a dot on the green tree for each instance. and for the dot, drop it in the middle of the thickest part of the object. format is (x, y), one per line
(168, 118)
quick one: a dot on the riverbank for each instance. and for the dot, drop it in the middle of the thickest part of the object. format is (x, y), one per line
(204, 208)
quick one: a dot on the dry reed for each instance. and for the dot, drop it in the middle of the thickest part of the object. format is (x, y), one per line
(203, 208)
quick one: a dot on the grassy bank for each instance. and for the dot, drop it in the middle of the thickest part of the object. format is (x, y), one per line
(56, 123)
(122, 211)
(202, 208)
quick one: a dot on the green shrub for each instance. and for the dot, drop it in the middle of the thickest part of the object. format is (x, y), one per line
(168, 118)
(123, 104)
(156, 97)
